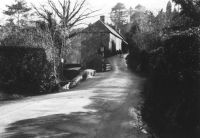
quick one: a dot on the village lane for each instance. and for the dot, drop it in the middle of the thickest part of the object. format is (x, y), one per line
(101, 107)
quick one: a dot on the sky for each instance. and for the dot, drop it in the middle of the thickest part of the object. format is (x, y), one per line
(103, 5)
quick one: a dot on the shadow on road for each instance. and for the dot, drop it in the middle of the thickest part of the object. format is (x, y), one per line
(115, 101)
(77, 125)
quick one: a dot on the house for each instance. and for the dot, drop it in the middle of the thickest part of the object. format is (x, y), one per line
(97, 39)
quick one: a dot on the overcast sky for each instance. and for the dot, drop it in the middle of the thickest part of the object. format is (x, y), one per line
(104, 5)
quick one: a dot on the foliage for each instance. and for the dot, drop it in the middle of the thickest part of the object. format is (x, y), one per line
(25, 70)
(28, 37)
(171, 63)
(34, 37)
(50, 23)
(168, 13)
(191, 8)
(172, 90)
(168, 8)
(144, 32)
(51, 34)
(143, 18)
(119, 14)
(70, 15)
(17, 10)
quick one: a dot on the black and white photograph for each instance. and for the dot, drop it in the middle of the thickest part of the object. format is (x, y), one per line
(99, 68)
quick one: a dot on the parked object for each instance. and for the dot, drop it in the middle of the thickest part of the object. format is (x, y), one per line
(74, 76)
(88, 73)
(76, 81)
(68, 66)
(71, 70)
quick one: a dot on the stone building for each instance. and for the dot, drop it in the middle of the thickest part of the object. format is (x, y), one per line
(98, 39)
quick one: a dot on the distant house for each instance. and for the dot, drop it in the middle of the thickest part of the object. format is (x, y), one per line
(97, 38)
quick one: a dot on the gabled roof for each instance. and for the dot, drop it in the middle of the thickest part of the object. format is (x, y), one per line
(111, 30)
(114, 32)
(107, 28)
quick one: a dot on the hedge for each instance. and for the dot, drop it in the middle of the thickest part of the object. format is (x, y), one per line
(24, 70)
(171, 95)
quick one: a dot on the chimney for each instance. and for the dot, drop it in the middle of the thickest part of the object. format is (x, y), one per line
(102, 18)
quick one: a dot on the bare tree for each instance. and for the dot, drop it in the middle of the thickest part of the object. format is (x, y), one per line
(42, 12)
(70, 13)
(48, 34)
(47, 15)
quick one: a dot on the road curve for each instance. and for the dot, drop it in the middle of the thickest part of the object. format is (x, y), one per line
(102, 107)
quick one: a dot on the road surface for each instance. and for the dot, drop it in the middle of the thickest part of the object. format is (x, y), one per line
(102, 107)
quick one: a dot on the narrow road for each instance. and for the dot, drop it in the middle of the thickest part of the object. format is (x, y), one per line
(102, 107)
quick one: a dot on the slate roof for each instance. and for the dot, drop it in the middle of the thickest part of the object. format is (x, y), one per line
(114, 32)
(107, 28)
(111, 30)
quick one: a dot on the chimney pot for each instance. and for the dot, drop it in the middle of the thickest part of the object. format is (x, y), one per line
(102, 18)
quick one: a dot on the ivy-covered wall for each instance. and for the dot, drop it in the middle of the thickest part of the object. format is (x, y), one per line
(91, 44)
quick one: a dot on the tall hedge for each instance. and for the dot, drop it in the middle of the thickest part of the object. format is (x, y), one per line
(24, 70)
(171, 95)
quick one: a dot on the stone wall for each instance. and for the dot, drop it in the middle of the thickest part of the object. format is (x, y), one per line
(91, 44)
(87, 44)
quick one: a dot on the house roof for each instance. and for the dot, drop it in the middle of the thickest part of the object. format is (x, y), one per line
(114, 32)
(111, 30)
(108, 28)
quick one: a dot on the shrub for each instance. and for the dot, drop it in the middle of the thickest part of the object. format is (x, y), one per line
(171, 95)
(138, 61)
(24, 70)
(140, 46)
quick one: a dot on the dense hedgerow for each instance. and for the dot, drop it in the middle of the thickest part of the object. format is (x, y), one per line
(24, 70)
(171, 95)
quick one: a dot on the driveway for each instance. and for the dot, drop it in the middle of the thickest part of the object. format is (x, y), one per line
(102, 107)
